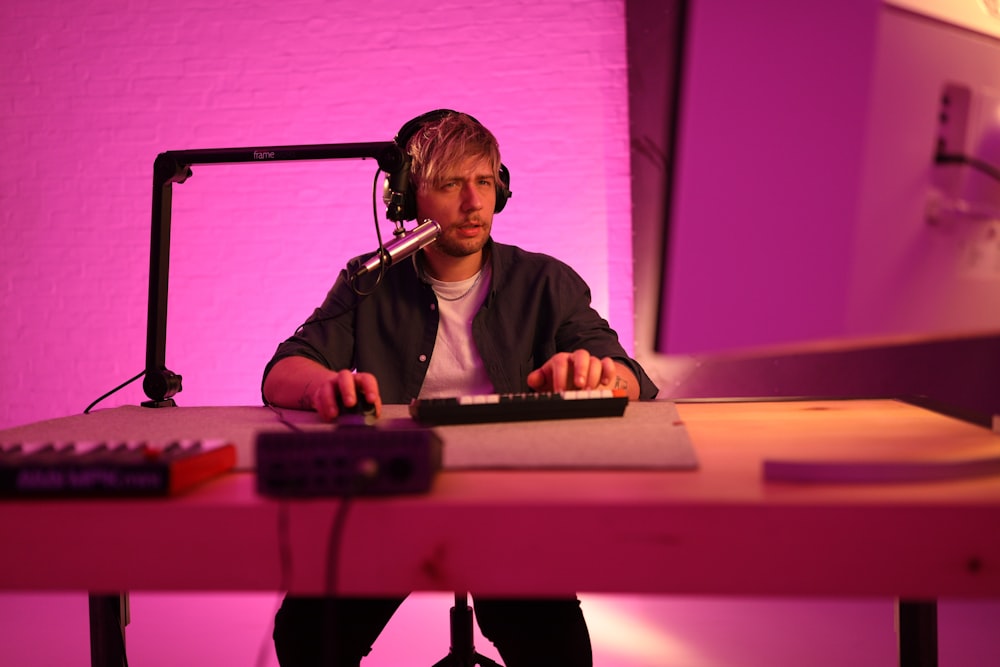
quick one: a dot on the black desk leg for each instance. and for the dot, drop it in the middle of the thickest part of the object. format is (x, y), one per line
(108, 618)
(917, 633)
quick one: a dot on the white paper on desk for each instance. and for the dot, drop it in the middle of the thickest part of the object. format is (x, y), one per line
(649, 436)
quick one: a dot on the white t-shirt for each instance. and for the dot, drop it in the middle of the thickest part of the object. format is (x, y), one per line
(456, 368)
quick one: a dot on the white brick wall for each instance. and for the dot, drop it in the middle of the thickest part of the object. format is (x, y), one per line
(91, 92)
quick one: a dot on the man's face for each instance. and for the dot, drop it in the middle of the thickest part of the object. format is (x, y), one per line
(462, 203)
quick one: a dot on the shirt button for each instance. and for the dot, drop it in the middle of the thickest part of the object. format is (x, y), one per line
(422, 358)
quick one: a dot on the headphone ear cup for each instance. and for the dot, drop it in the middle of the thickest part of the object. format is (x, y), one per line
(409, 205)
(503, 189)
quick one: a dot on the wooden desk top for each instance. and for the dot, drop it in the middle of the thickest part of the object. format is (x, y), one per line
(720, 529)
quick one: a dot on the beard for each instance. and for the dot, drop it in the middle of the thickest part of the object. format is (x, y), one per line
(455, 245)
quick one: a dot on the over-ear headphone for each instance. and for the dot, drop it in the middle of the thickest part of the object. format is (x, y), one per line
(397, 181)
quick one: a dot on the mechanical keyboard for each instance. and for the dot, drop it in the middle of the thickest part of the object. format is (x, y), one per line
(109, 469)
(528, 406)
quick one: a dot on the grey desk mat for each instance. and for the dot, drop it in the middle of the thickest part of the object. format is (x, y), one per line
(649, 436)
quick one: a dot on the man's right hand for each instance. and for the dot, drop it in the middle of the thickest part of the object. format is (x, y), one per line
(301, 383)
(350, 386)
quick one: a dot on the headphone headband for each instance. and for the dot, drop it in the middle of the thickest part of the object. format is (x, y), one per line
(400, 196)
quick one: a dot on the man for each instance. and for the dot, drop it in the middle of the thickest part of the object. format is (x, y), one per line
(465, 315)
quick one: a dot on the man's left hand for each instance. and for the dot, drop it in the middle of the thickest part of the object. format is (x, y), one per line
(574, 370)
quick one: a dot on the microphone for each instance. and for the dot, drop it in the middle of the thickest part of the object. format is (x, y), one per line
(402, 247)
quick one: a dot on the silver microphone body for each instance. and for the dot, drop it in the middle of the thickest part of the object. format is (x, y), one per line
(402, 247)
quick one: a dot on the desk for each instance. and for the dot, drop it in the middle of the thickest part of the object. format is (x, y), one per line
(720, 529)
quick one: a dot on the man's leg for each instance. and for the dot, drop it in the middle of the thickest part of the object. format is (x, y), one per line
(536, 633)
(329, 632)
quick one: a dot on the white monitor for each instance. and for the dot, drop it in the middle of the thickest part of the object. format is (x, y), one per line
(806, 201)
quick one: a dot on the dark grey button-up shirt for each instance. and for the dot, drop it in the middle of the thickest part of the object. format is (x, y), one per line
(536, 306)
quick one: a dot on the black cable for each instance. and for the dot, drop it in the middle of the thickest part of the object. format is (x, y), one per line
(378, 232)
(351, 283)
(331, 611)
(285, 569)
(983, 166)
(334, 542)
(281, 416)
(381, 246)
(362, 477)
(284, 551)
(336, 525)
(333, 552)
(118, 388)
(352, 279)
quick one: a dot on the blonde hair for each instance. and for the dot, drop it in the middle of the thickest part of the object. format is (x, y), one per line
(448, 140)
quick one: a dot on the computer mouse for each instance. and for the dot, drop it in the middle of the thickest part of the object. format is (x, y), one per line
(362, 413)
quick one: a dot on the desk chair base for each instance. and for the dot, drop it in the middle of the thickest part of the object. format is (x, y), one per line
(463, 652)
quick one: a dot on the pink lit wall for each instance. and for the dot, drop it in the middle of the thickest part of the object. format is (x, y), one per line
(93, 91)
